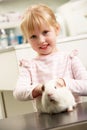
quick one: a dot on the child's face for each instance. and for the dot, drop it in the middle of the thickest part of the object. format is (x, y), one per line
(43, 40)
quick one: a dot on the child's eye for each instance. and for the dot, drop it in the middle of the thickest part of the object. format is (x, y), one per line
(33, 36)
(45, 32)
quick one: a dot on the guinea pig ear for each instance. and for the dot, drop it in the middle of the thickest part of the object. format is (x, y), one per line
(43, 87)
(59, 83)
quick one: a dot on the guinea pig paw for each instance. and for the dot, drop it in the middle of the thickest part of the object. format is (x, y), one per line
(70, 109)
(75, 105)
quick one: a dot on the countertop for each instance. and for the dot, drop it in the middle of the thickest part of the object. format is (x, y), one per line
(76, 120)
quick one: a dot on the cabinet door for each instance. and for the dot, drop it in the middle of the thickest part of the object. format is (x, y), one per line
(2, 112)
(14, 107)
(8, 70)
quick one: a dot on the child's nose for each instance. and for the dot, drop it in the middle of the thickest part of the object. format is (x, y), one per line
(41, 39)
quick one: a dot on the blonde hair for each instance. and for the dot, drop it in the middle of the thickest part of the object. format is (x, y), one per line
(35, 16)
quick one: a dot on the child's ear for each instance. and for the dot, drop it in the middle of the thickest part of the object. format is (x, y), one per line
(57, 29)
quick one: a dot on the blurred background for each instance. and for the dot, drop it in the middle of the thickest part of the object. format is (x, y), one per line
(71, 14)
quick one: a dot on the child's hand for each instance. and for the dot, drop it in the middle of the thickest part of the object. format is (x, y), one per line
(37, 91)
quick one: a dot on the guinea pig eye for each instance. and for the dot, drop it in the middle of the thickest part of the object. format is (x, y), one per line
(55, 87)
(43, 87)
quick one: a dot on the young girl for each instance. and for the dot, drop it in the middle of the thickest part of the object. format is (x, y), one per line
(40, 28)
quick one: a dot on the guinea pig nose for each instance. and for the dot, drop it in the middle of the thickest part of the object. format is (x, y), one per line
(49, 94)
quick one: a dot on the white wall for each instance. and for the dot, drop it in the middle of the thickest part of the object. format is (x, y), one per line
(20, 5)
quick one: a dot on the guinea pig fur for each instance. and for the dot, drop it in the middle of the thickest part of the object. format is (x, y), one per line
(55, 99)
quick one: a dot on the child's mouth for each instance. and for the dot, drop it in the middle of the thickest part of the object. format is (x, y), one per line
(44, 47)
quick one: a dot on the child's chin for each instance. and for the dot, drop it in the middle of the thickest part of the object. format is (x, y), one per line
(45, 53)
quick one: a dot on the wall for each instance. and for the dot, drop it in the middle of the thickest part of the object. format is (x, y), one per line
(19, 5)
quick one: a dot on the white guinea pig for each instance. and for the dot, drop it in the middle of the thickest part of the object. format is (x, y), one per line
(55, 99)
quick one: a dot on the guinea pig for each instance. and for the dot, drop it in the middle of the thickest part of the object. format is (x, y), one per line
(55, 99)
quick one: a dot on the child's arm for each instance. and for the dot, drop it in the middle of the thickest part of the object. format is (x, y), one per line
(78, 84)
(24, 90)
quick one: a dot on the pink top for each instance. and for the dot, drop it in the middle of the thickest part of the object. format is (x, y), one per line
(44, 68)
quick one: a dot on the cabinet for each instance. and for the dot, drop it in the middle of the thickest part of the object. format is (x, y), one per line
(12, 31)
(9, 25)
(9, 106)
